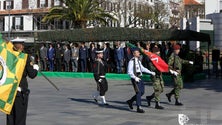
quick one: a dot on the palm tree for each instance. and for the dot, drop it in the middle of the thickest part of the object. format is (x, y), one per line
(79, 12)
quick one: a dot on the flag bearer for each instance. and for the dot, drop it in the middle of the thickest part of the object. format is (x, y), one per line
(19, 110)
(158, 83)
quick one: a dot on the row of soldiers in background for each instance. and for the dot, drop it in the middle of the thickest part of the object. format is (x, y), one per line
(72, 57)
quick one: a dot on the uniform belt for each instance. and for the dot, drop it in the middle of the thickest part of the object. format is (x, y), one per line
(19, 89)
(102, 76)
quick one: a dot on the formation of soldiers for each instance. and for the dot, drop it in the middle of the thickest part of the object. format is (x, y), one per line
(136, 70)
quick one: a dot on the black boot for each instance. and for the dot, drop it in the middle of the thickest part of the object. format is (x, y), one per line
(149, 98)
(158, 106)
(140, 110)
(178, 103)
(168, 95)
(130, 104)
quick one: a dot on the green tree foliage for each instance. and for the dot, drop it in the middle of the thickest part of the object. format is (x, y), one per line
(79, 12)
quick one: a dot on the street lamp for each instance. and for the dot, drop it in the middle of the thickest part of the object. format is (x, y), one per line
(8, 8)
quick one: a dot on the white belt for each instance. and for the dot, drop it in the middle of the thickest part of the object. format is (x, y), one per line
(19, 89)
(102, 76)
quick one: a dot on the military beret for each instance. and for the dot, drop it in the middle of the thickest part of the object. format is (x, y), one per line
(176, 47)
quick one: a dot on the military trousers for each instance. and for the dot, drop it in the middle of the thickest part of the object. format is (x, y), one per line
(19, 110)
(139, 89)
(178, 85)
(158, 86)
(102, 87)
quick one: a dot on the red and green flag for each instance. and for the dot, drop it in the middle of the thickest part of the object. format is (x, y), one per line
(157, 61)
(12, 64)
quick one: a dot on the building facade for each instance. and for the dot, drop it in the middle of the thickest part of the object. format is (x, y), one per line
(23, 17)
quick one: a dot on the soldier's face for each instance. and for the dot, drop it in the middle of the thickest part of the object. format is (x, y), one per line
(177, 51)
(136, 54)
(19, 46)
(100, 55)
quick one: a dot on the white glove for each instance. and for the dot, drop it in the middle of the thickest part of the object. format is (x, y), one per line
(153, 73)
(174, 72)
(100, 80)
(36, 67)
(137, 79)
(191, 62)
(171, 71)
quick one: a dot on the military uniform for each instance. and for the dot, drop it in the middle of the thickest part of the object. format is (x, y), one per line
(158, 83)
(135, 69)
(19, 109)
(175, 64)
(99, 72)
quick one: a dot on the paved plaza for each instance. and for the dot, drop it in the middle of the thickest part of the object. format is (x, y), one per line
(73, 105)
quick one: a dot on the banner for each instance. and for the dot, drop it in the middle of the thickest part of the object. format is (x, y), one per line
(12, 64)
(157, 61)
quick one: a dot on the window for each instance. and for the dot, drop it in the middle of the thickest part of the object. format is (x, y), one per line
(8, 5)
(17, 23)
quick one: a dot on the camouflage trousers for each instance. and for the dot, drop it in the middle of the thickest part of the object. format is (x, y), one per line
(158, 86)
(178, 85)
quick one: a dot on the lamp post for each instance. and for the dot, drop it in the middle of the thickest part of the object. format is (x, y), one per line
(9, 8)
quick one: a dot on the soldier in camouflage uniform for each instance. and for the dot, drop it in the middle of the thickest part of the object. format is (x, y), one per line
(175, 66)
(158, 83)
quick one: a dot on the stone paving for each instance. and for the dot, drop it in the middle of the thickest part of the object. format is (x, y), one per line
(73, 105)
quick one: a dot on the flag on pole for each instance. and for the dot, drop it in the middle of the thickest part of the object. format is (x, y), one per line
(157, 61)
(12, 64)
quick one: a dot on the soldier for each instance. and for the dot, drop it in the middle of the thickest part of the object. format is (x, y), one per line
(158, 83)
(19, 110)
(99, 71)
(135, 69)
(175, 66)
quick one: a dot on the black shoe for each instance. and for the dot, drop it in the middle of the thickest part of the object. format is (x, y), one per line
(178, 103)
(130, 104)
(159, 107)
(148, 99)
(139, 110)
(106, 104)
(168, 97)
(96, 100)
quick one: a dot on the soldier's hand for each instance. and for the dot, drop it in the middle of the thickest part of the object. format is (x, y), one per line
(100, 80)
(153, 73)
(171, 71)
(176, 73)
(137, 79)
(36, 67)
(191, 62)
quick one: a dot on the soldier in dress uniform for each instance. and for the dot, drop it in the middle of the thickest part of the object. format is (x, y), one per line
(158, 83)
(135, 69)
(99, 72)
(175, 67)
(19, 110)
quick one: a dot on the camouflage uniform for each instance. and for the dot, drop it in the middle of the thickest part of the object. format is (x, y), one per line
(175, 63)
(158, 83)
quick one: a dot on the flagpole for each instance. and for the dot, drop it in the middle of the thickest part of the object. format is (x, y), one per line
(49, 81)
